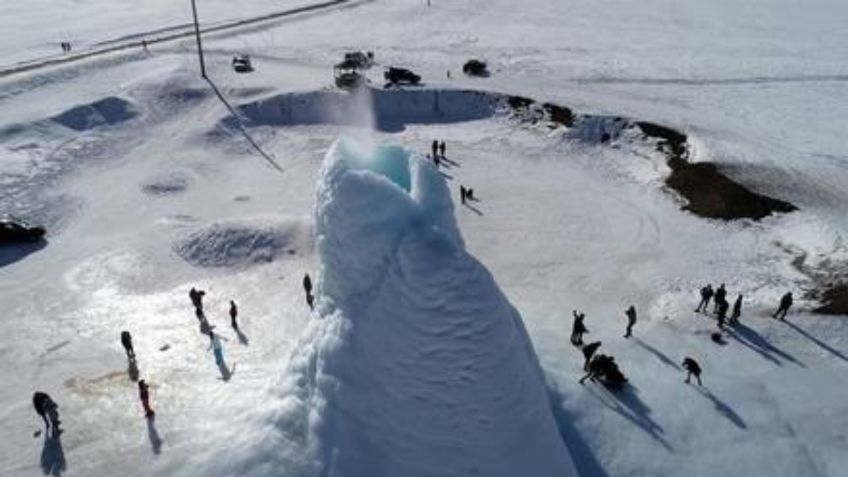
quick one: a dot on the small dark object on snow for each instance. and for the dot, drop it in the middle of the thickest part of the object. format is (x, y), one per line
(717, 337)
(242, 64)
(692, 369)
(475, 68)
(631, 320)
(17, 231)
(398, 76)
(233, 315)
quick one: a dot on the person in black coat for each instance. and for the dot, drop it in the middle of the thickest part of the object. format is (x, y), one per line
(126, 342)
(706, 295)
(578, 328)
(631, 320)
(692, 369)
(785, 304)
(737, 310)
(720, 296)
(589, 351)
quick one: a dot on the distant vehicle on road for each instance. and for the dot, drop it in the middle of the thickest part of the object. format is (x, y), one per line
(348, 76)
(398, 76)
(475, 68)
(18, 231)
(242, 64)
(361, 60)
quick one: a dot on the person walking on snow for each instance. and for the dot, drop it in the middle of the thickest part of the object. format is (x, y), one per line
(144, 396)
(785, 304)
(631, 320)
(692, 369)
(578, 328)
(46, 407)
(196, 297)
(462, 194)
(737, 310)
(442, 149)
(720, 296)
(722, 312)
(233, 315)
(706, 294)
(588, 352)
(126, 341)
(307, 287)
(435, 148)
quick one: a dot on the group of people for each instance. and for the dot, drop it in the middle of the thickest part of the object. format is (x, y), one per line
(66, 47)
(143, 388)
(720, 305)
(604, 367)
(466, 193)
(438, 150)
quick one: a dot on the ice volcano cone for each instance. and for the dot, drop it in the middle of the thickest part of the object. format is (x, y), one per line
(417, 365)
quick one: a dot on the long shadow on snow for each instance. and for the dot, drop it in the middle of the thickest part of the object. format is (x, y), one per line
(750, 338)
(723, 408)
(659, 354)
(821, 344)
(10, 254)
(626, 402)
(52, 455)
(585, 461)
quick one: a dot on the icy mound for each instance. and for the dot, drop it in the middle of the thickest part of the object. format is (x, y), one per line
(241, 243)
(417, 365)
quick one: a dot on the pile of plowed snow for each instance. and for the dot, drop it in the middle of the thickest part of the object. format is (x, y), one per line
(415, 363)
(242, 243)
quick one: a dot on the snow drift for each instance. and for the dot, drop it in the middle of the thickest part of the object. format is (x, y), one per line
(416, 364)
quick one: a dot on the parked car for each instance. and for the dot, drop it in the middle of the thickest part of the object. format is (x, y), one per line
(398, 76)
(242, 64)
(348, 76)
(475, 68)
(362, 60)
(18, 231)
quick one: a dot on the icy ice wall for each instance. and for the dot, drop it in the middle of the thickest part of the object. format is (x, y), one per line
(416, 364)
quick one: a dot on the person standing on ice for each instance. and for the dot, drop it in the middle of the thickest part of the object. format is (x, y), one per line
(307, 287)
(720, 296)
(442, 149)
(144, 396)
(706, 294)
(46, 407)
(196, 297)
(233, 315)
(722, 312)
(126, 342)
(737, 310)
(692, 369)
(785, 304)
(588, 352)
(462, 193)
(631, 320)
(578, 328)
(435, 148)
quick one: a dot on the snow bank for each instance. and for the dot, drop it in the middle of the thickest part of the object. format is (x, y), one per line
(416, 365)
(229, 244)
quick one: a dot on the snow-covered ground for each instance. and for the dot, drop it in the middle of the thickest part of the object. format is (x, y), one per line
(147, 190)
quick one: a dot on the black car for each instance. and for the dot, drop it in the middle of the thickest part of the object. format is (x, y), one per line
(16, 231)
(475, 68)
(242, 64)
(401, 76)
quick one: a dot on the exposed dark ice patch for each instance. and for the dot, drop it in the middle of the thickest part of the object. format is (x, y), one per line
(241, 243)
(105, 112)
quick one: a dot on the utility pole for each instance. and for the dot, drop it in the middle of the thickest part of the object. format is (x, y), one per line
(197, 34)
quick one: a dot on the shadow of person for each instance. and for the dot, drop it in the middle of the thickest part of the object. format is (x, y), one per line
(132, 369)
(627, 404)
(446, 175)
(226, 372)
(755, 341)
(659, 354)
(52, 455)
(723, 408)
(153, 436)
(242, 338)
(818, 342)
(473, 209)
